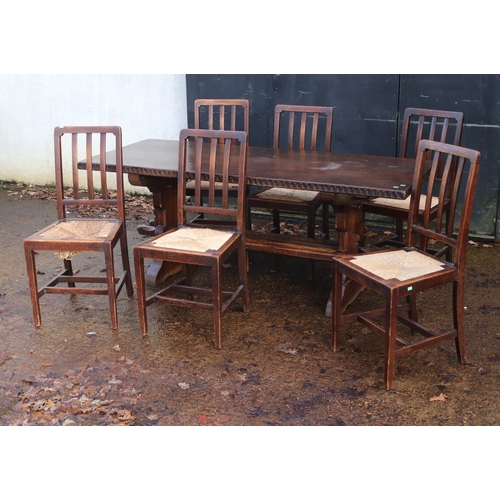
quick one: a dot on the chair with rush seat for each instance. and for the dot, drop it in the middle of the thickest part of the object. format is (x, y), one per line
(212, 153)
(220, 114)
(305, 119)
(88, 233)
(418, 124)
(402, 273)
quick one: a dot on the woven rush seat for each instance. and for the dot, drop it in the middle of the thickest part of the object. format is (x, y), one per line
(194, 239)
(79, 230)
(282, 194)
(405, 204)
(399, 264)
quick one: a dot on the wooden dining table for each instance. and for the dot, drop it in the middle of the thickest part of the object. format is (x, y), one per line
(344, 181)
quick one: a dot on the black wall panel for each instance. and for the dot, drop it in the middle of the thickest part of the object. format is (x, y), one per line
(365, 107)
(256, 88)
(478, 97)
(368, 110)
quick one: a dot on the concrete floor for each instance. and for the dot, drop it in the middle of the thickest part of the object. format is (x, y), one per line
(276, 366)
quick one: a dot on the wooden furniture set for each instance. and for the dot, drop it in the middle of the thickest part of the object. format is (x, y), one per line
(214, 167)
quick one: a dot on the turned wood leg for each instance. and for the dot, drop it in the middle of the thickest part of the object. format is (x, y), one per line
(349, 225)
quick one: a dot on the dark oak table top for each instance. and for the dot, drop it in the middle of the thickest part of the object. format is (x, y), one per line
(351, 174)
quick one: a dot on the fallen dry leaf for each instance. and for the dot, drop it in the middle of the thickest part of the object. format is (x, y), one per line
(4, 356)
(124, 414)
(442, 397)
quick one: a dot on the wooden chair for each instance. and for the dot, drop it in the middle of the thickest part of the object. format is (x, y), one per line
(207, 245)
(399, 274)
(418, 124)
(300, 134)
(88, 233)
(220, 114)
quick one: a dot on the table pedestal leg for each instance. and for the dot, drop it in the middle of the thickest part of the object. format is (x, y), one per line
(164, 192)
(350, 228)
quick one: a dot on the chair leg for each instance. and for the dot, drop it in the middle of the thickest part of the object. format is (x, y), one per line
(411, 300)
(391, 319)
(69, 271)
(399, 229)
(276, 221)
(217, 303)
(336, 307)
(187, 273)
(311, 213)
(31, 269)
(458, 319)
(310, 270)
(140, 285)
(248, 219)
(242, 271)
(126, 264)
(110, 279)
(326, 221)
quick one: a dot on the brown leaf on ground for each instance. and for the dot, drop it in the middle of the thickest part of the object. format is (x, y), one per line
(442, 397)
(124, 415)
(4, 356)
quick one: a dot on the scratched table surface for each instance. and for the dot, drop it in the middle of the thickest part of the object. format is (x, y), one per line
(352, 174)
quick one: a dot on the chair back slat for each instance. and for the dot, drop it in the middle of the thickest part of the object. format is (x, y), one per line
(90, 173)
(212, 171)
(222, 114)
(456, 187)
(310, 120)
(233, 119)
(94, 141)
(420, 123)
(197, 170)
(446, 183)
(74, 162)
(214, 159)
(314, 133)
(225, 175)
(102, 167)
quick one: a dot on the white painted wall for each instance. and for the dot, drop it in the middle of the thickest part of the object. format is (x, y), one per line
(145, 106)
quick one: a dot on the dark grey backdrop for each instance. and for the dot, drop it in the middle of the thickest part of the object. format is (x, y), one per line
(368, 110)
